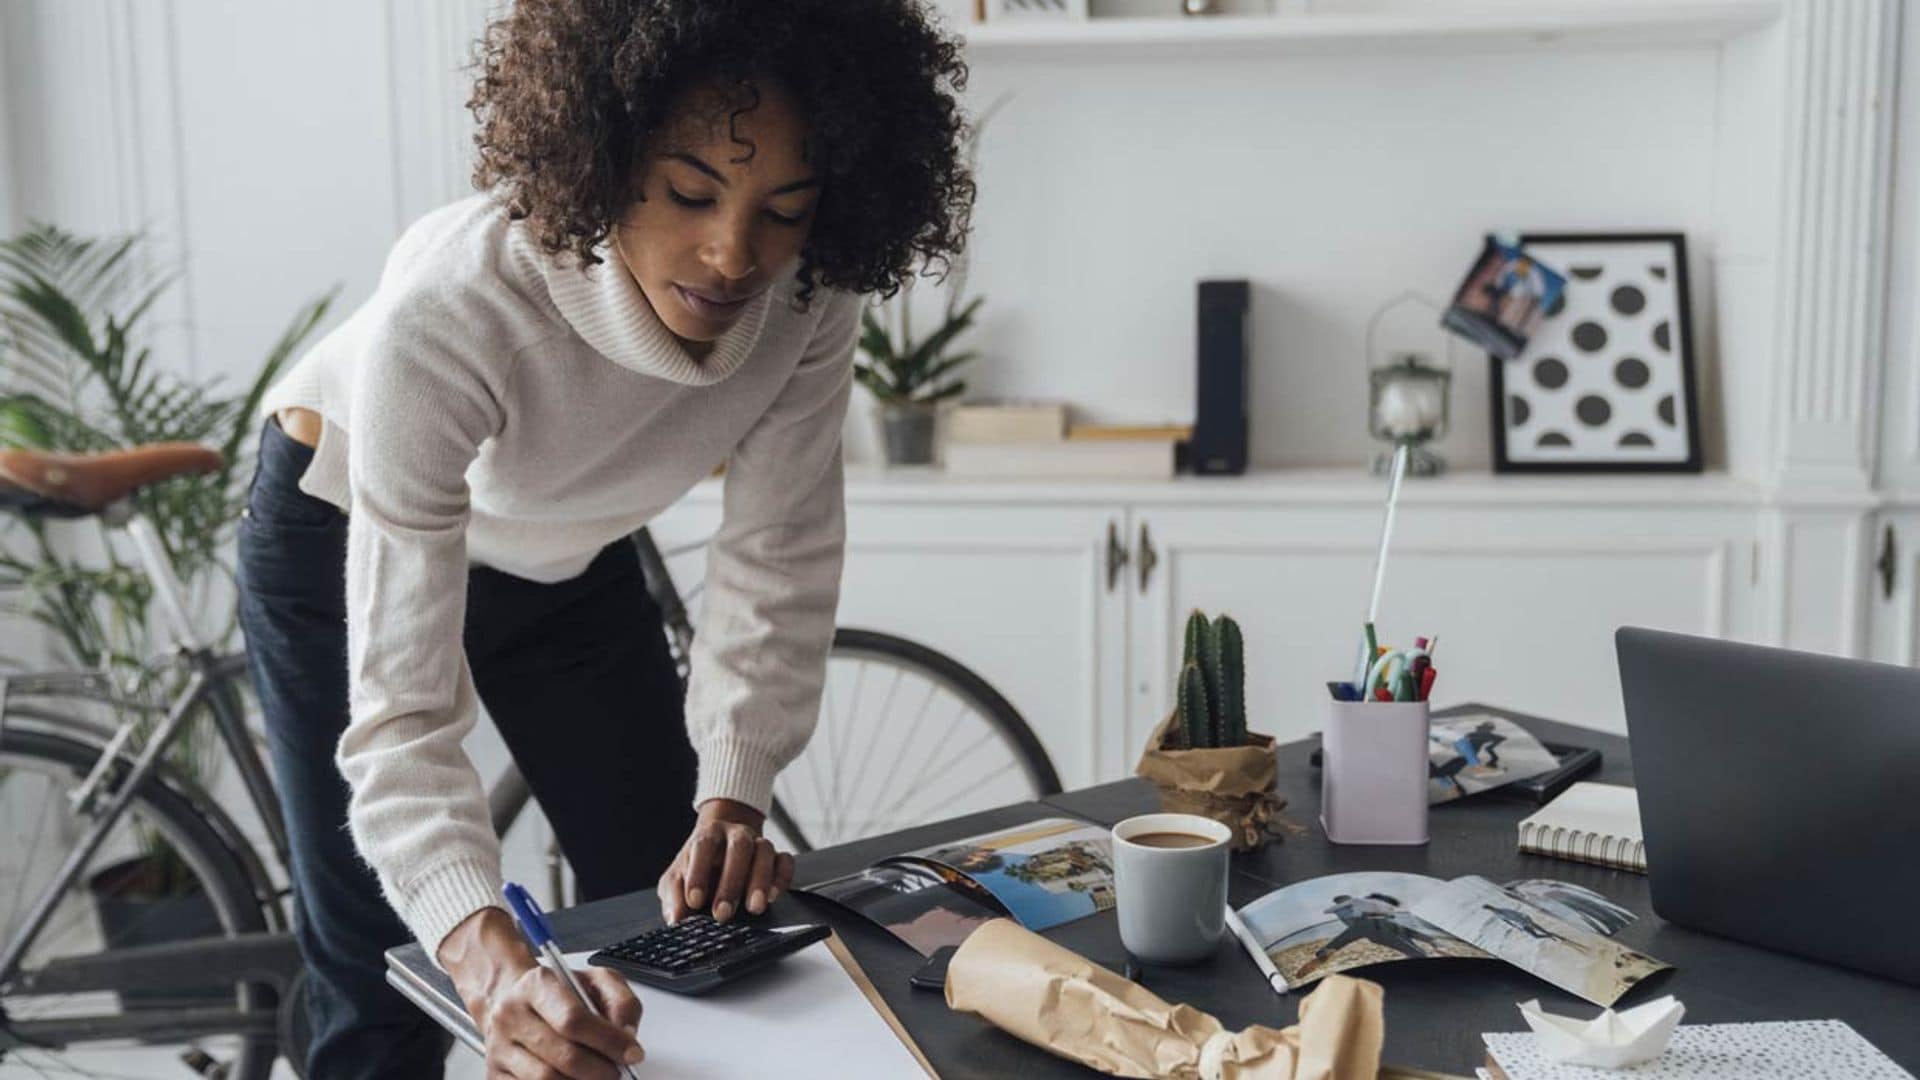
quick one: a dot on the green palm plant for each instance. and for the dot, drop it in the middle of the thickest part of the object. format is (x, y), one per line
(903, 371)
(76, 375)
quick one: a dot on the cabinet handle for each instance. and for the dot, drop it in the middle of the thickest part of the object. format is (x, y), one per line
(1116, 555)
(1149, 558)
(1887, 563)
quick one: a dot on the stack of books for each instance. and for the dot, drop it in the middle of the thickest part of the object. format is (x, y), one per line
(1018, 440)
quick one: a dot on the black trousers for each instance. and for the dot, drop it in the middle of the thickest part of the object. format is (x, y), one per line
(576, 676)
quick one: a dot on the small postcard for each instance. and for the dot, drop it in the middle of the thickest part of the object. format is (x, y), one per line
(1474, 753)
(1503, 299)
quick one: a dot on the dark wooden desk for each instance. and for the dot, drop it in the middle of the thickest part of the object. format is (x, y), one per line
(1436, 1009)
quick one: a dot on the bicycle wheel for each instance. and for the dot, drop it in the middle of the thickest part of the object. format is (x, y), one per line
(906, 736)
(162, 875)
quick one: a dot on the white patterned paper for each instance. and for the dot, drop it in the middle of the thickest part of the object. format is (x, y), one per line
(1792, 1050)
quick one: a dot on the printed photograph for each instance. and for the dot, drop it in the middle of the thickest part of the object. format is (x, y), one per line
(1574, 903)
(1528, 936)
(1344, 921)
(1045, 873)
(917, 903)
(1503, 299)
(1469, 754)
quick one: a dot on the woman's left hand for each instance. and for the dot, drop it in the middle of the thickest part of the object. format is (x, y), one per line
(725, 863)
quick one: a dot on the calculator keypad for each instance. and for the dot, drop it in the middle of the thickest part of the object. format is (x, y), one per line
(697, 941)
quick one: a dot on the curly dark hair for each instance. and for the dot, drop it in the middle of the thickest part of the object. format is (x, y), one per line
(570, 91)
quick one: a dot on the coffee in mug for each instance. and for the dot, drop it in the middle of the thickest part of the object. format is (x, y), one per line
(1171, 840)
(1170, 886)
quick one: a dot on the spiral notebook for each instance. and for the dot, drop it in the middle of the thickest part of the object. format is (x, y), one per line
(1589, 823)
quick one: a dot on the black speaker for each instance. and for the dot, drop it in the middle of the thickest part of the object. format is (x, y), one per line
(1219, 446)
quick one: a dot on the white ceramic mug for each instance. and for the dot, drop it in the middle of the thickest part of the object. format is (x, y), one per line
(1172, 901)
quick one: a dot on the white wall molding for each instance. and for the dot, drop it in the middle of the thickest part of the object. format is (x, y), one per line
(9, 91)
(142, 71)
(1819, 595)
(1842, 58)
(429, 45)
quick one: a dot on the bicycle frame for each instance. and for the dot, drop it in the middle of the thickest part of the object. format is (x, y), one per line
(208, 675)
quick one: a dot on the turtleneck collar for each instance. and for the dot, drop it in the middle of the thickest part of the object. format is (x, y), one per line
(605, 306)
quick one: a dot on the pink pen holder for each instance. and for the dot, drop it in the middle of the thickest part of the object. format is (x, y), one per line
(1373, 772)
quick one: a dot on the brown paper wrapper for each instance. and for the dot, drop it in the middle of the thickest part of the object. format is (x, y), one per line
(1065, 1004)
(1233, 786)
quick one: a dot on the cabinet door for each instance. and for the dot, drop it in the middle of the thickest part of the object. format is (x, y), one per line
(1524, 600)
(1896, 597)
(1018, 593)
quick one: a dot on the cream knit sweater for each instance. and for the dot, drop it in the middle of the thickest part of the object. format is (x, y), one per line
(490, 405)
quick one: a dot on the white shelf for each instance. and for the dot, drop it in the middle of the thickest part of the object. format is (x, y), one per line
(872, 484)
(1592, 24)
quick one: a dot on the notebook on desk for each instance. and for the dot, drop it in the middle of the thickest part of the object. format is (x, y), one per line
(1589, 823)
(768, 1025)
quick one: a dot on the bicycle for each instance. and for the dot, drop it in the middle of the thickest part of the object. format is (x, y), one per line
(211, 972)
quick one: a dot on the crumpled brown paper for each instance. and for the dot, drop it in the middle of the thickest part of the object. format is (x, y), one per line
(1065, 1004)
(1232, 785)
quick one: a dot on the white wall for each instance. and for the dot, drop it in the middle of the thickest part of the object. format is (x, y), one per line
(1109, 188)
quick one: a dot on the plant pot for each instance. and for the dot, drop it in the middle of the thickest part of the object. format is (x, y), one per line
(134, 909)
(906, 432)
(1233, 785)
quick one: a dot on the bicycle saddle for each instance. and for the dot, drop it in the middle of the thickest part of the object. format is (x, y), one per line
(74, 485)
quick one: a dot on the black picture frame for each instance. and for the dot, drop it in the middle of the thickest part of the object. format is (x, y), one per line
(1502, 412)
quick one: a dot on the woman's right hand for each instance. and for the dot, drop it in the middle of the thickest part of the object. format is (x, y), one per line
(534, 1026)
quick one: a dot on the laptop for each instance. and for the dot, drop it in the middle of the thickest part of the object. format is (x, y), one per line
(1779, 796)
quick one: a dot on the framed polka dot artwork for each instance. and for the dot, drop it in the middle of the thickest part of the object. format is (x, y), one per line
(1606, 384)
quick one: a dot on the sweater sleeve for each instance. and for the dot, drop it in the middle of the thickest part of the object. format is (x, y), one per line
(773, 577)
(418, 812)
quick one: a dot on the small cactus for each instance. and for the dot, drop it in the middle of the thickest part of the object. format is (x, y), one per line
(1195, 717)
(1198, 631)
(1211, 699)
(1229, 684)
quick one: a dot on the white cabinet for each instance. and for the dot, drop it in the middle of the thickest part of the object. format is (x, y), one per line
(1020, 593)
(1524, 599)
(1896, 587)
(1070, 598)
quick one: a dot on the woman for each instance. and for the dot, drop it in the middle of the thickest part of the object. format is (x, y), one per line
(683, 202)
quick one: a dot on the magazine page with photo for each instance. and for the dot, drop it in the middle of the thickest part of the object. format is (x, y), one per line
(1478, 752)
(1331, 924)
(1325, 925)
(919, 904)
(1536, 940)
(1043, 873)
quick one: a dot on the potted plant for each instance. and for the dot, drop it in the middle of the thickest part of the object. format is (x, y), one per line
(1202, 758)
(909, 379)
(75, 376)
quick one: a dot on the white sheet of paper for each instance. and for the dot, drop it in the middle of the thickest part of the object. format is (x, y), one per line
(804, 1018)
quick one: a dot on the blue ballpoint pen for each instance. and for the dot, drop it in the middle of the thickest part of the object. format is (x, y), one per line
(533, 923)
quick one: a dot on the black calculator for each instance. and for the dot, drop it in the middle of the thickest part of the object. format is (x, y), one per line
(698, 954)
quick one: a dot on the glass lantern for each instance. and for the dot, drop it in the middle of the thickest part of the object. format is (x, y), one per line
(1409, 372)
(1407, 403)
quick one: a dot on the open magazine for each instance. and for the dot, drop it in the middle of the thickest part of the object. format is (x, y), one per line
(1551, 929)
(1042, 873)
